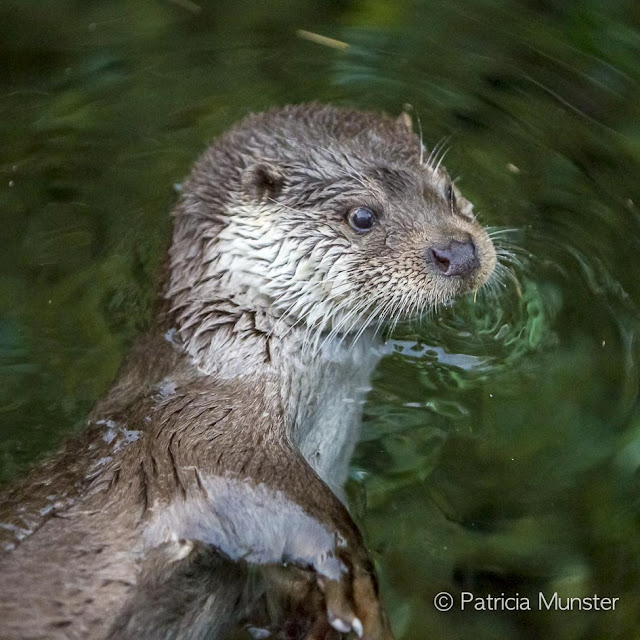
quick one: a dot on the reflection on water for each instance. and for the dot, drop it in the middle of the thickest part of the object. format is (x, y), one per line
(500, 446)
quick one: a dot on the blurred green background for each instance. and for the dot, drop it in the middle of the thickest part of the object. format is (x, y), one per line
(501, 443)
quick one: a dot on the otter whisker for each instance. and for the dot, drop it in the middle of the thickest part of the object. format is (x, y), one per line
(377, 309)
(422, 147)
(364, 324)
(435, 149)
(502, 273)
(299, 299)
(298, 295)
(383, 311)
(436, 153)
(363, 300)
(497, 232)
(359, 300)
(441, 159)
(354, 313)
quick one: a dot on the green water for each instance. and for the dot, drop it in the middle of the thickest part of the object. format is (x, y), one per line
(501, 444)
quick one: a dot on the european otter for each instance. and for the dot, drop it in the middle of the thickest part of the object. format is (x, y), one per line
(198, 497)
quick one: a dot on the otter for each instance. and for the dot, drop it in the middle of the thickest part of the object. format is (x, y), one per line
(205, 493)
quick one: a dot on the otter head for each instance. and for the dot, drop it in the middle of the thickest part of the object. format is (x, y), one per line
(323, 218)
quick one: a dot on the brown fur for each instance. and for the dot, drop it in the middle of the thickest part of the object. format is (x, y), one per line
(207, 466)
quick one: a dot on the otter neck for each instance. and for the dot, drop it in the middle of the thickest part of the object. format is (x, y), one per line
(321, 386)
(323, 396)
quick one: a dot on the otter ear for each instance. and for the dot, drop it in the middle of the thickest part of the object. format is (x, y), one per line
(404, 119)
(263, 180)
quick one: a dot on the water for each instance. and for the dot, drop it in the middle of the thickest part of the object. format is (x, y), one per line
(501, 443)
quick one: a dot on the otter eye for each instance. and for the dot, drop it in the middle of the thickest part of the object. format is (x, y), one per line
(450, 194)
(361, 218)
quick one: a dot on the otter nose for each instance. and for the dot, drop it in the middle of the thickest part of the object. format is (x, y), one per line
(456, 259)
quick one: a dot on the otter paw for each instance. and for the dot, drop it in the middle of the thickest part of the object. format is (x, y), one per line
(353, 605)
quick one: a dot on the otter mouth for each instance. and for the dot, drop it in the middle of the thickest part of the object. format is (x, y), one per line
(415, 284)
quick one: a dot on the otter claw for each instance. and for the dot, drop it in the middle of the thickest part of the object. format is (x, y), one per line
(344, 627)
(338, 607)
(341, 608)
(340, 625)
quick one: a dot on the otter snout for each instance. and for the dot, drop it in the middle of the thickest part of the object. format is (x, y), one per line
(455, 259)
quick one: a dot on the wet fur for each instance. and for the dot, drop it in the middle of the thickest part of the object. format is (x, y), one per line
(214, 452)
